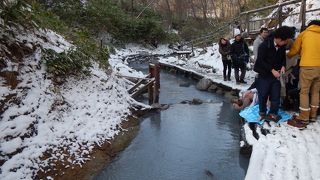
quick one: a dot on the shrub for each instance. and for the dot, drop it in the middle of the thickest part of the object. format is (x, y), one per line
(16, 12)
(68, 63)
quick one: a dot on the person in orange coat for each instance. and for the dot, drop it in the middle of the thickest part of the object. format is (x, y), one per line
(307, 45)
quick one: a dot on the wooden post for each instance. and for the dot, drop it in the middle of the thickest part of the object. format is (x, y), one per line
(192, 48)
(280, 15)
(302, 17)
(248, 23)
(153, 89)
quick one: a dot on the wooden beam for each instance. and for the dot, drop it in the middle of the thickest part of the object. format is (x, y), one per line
(284, 15)
(138, 84)
(270, 7)
(142, 89)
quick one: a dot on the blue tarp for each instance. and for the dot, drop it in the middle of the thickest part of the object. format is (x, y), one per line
(251, 114)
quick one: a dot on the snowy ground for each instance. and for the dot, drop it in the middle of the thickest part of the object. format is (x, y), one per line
(285, 153)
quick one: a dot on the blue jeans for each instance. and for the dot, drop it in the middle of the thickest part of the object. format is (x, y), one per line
(268, 87)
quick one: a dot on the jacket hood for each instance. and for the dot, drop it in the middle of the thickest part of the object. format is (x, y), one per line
(313, 28)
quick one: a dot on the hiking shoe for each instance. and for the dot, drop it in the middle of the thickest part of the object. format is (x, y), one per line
(273, 117)
(295, 122)
(238, 82)
(312, 121)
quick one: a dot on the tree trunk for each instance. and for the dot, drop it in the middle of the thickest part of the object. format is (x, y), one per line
(214, 8)
(169, 13)
(204, 7)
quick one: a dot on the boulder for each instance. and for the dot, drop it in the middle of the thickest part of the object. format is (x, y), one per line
(204, 84)
(213, 88)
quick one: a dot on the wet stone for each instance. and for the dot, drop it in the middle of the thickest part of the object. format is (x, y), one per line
(212, 88)
(196, 101)
(204, 84)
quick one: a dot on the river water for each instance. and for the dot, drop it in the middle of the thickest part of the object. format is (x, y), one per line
(183, 142)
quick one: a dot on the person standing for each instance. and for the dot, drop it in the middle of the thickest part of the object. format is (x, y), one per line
(224, 49)
(264, 32)
(307, 45)
(270, 65)
(240, 58)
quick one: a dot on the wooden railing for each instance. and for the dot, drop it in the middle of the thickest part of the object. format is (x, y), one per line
(252, 26)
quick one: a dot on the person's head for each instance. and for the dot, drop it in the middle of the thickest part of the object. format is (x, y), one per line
(237, 37)
(223, 41)
(314, 22)
(282, 35)
(264, 32)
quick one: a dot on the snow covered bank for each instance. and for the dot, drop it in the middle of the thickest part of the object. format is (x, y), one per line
(119, 62)
(44, 123)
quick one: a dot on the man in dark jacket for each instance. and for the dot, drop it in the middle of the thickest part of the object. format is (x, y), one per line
(270, 65)
(240, 58)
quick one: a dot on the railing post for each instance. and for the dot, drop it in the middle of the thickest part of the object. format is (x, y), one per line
(302, 17)
(280, 15)
(154, 88)
(248, 22)
(192, 48)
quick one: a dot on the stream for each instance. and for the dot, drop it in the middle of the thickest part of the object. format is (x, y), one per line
(186, 141)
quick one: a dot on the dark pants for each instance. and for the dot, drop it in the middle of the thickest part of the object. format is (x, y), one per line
(242, 68)
(226, 65)
(268, 87)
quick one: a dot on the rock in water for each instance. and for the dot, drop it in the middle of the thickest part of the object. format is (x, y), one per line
(204, 84)
(196, 101)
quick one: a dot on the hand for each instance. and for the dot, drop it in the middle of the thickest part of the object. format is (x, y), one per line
(275, 73)
(283, 70)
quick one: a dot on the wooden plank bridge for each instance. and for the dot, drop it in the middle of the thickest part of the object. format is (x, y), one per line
(149, 84)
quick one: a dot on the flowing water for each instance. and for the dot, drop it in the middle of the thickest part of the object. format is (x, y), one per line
(183, 142)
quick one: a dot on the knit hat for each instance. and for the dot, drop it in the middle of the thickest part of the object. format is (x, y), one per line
(236, 32)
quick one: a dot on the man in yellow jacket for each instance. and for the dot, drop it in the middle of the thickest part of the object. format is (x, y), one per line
(307, 45)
